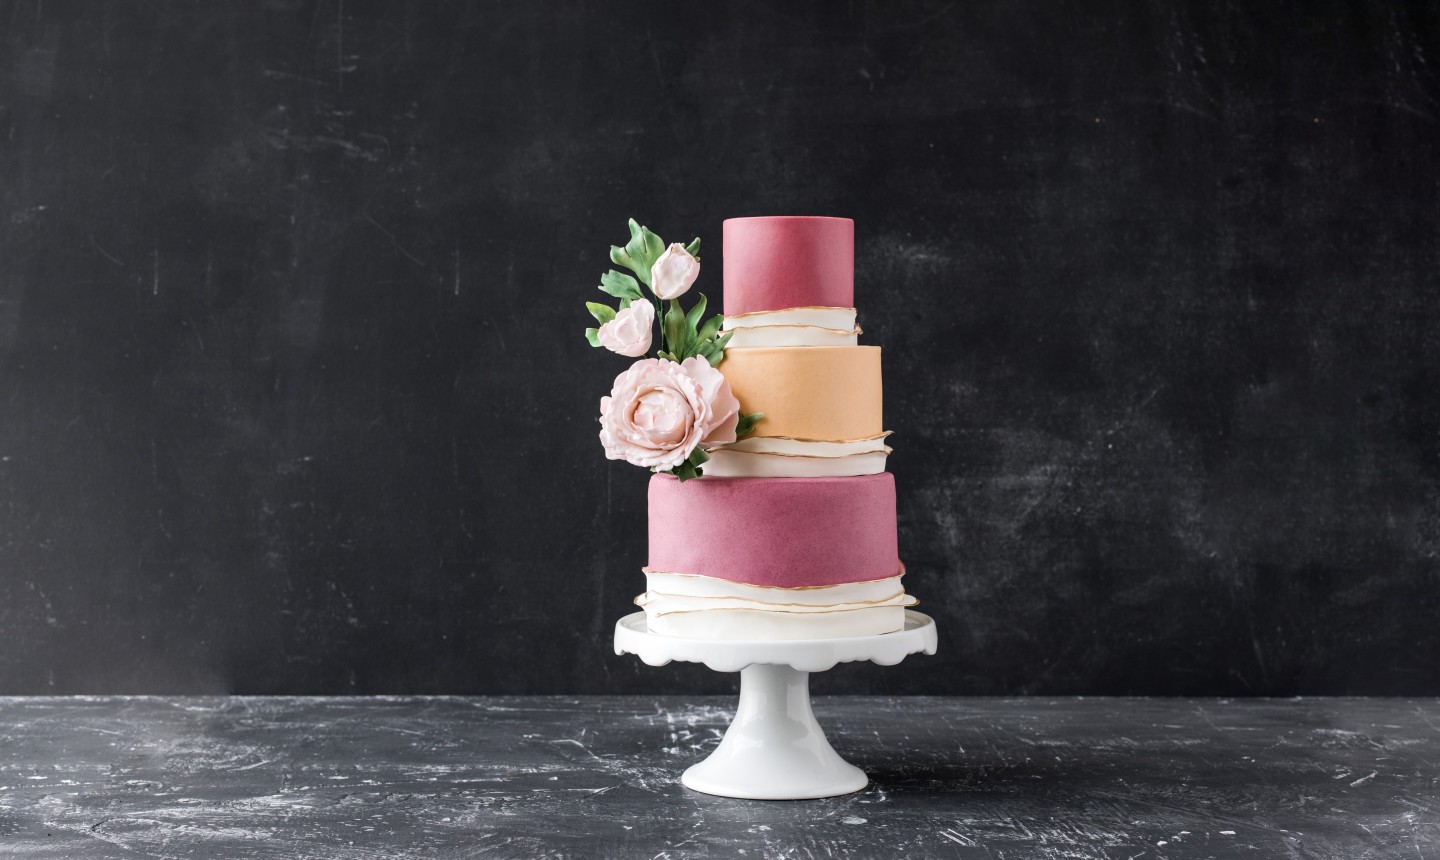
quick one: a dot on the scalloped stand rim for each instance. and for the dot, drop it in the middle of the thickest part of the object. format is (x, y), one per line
(774, 749)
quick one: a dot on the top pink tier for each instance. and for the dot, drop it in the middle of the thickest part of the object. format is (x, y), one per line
(787, 261)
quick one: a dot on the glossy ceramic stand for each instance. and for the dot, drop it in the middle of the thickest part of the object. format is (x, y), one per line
(774, 749)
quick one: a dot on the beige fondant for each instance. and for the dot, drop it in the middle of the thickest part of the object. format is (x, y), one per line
(809, 392)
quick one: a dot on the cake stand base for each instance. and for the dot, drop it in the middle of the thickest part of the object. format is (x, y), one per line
(774, 749)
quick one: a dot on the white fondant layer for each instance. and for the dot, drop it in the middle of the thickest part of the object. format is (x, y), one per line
(727, 463)
(782, 457)
(793, 327)
(791, 335)
(741, 625)
(657, 605)
(831, 318)
(702, 607)
(807, 447)
(663, 583)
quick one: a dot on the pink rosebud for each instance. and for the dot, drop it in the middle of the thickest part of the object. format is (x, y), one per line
(629, 333)
(658, 411)
(674, 272)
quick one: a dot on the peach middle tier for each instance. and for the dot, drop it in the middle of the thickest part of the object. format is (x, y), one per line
(790, 534)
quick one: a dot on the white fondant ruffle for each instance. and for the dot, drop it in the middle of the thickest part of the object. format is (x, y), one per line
(807, 447)
(744, 625)
(707, 607)
(793, 327)
(782, 457)
(726, 463)
(791, 335)
(831, 318)
(665, 583)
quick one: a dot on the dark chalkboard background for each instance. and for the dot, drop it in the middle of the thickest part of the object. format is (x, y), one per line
(294, 398)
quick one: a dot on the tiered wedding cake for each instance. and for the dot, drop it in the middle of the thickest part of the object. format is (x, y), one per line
(790, 533)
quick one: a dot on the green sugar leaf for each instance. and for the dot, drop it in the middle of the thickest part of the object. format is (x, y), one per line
(676, 337)
(593, 335)
(602, 313)
(692, 319)
(691, 467)
(640, 253)
(711, 327)
(720, 342)
(654, 245)
(619, 257)
(620, 285)
(693, 249)
(746, 425)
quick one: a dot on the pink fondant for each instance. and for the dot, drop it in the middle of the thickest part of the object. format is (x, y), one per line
(786, 532)
(788, 262)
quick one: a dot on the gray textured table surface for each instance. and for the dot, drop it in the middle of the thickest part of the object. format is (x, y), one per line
(596, 777)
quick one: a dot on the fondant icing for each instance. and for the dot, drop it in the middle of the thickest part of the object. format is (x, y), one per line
(837, 318)
(726, 463)
(761, 625)
(793, 327)
(807, 447)
(660, 583)
(790, 533)
(792, 335)
(787, 532)
(809, 392)
(773, 263)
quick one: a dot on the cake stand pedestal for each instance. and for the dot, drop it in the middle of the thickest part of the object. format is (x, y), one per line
(774, 749)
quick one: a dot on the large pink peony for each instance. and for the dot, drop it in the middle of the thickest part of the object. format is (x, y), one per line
(658, 411)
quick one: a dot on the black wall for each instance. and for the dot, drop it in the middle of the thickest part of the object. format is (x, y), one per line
(294, 398)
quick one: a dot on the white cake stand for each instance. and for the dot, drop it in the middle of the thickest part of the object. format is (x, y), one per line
(774, 749)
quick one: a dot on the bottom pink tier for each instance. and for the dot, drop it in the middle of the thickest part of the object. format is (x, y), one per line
(780, 532)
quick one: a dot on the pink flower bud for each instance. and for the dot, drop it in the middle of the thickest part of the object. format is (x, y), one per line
(629, 333)
(674, 272)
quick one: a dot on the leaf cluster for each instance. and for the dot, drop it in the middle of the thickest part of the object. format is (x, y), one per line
(746, 425)
(682, 334)
(691, 467)
(686, 336)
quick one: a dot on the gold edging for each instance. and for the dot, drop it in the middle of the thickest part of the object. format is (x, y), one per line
(913, 602)
(888, 601)
(854, 330)
(648, 569)
(885, 451)
(796, 308)
(784, 332)
(802, 439)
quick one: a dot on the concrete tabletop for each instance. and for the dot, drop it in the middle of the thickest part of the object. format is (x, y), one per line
(1108, 779)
